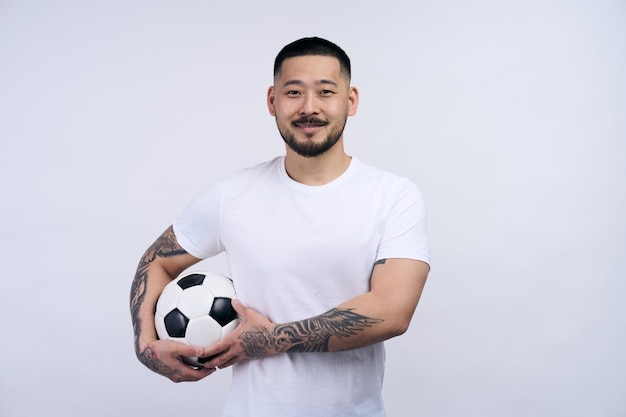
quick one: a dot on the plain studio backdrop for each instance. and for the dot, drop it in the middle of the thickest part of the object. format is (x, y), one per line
(510, 116)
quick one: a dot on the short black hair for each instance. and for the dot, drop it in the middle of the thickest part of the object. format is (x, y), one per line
(313, 46)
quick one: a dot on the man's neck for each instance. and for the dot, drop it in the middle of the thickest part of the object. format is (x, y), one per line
(318, 170)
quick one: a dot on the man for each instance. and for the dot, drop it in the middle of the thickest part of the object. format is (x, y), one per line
(328, 255)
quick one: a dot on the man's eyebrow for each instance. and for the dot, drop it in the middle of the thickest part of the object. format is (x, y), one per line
(331, 82)
(318, 82)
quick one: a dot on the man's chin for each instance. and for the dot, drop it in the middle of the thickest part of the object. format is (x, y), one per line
(310, 146)
(307, 152)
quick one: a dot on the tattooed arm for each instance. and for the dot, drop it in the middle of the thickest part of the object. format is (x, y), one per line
(161, 263)
(383, 312)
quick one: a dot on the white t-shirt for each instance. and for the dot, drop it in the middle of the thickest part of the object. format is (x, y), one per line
(294, 252)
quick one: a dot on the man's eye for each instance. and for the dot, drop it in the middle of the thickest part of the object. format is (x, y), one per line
(293, 93)
(326, 92)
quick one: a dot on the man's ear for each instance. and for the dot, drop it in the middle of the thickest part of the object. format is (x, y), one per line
(353, 101)
(271, 96)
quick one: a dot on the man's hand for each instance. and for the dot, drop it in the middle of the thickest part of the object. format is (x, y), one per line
(252, 338)
(165, 357)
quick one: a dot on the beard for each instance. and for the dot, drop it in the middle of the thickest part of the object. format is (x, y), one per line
(309, 148)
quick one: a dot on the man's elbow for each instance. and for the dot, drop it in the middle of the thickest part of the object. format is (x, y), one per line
(399, 327)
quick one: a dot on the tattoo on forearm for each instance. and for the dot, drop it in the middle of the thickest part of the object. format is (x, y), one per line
(380, 262)
(165, 246)
(310, 335)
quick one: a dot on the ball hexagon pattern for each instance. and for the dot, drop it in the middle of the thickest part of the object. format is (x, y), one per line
(195, 309)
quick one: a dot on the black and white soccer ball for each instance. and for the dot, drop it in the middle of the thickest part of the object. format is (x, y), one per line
(195, 309)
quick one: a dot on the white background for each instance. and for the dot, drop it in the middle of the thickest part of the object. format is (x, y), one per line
(510, 115)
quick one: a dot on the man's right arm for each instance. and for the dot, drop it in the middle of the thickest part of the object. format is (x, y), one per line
(164, 260)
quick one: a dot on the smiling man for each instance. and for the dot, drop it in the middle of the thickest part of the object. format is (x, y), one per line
(329, 257)
(314, 108)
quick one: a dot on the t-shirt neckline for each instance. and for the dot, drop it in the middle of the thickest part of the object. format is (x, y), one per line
(290, 182)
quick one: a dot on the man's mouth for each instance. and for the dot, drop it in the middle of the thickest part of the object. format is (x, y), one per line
(309, 123)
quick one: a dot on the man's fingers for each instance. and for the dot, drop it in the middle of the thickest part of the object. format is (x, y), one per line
(238, 306)
(186, 350)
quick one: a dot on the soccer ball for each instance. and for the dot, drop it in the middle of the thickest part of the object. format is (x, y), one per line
(195, 309)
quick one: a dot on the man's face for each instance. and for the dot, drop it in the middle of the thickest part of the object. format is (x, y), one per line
(311, 100)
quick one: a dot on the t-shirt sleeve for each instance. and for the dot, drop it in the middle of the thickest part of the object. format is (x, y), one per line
(197, 229)
(404, 229)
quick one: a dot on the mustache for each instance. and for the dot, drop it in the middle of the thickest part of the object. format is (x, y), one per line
(311, 120)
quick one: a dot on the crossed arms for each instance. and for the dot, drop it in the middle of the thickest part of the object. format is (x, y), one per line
(383, 312)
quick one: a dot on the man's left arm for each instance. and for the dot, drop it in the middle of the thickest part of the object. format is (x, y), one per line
(380, 314)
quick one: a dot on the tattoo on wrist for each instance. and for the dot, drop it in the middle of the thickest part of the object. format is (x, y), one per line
(310, 335)
(149, 358)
